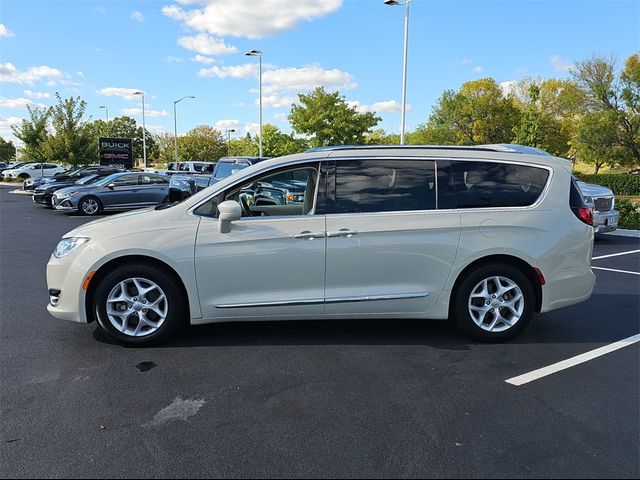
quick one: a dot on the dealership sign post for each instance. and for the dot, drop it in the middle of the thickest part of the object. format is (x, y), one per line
(117, 152)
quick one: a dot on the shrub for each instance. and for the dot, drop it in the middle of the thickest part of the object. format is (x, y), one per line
(629, 214)
(621, 184)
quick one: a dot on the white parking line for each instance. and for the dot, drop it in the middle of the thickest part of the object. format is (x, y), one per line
(572, 362)
(615, 254)
(615, 270)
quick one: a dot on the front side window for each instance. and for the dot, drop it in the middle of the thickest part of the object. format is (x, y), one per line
(383, 185)
(286, 192)
(493, 184)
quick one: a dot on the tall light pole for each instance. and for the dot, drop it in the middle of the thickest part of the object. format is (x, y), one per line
(229, 132)
(175, 122)
(404, 67)
(144, 132)
(107, 111)
(258, 53)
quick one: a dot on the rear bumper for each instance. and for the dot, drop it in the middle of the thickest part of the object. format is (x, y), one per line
(567, 291)
(605, 221)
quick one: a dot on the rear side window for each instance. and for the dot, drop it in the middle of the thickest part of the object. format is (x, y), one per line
(491, 184)
(363, 186)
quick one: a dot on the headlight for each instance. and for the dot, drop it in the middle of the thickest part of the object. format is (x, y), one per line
(68, 245)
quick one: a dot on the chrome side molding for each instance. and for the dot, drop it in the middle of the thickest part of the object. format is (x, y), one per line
(311, 301)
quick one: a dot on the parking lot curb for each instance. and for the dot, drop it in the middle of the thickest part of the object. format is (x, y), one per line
(21, 192)
(620, 232)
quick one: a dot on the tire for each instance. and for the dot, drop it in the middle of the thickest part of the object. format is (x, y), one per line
(162, 318)
(89, 206)
(509, 310)
(23, 176)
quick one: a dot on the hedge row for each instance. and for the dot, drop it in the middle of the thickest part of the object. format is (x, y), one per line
(629, 214)
(621, 184)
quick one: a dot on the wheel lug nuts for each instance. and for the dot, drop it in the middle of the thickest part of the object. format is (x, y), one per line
(144, 310)
(144, 301)
(135, 299)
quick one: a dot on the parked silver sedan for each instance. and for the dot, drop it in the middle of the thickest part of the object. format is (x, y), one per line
(120, 191)
(602, 201)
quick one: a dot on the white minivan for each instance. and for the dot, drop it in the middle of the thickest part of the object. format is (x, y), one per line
(485, 236)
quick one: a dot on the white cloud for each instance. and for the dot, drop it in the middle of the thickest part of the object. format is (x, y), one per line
(389, 106)
(9, 73)
(508, 87)
(98, 50)
(560, 64)
(232, 71)
(5, 127)
(252, 128)
(202, 59)
(171, 59)
(126, 93)
(156, 129)
(306, 78)
(5, 32)
(249, 18)
(18, 103)
(282, 117)
(360, 107)
(31, 94)
(478, 69)
(275, 101)
(100, 9)
(228, 124)
(80, 74)
(147, 112)
(466, 61)
(206, 45)
(137, 16)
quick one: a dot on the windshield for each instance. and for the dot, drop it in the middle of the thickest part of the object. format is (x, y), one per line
(88, 179)
(226, 169)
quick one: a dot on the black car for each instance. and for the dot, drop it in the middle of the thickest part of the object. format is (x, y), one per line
(43, 193)
(71, 175)
(183, 186)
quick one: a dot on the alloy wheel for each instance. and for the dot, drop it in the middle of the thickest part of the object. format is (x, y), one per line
(496, 304)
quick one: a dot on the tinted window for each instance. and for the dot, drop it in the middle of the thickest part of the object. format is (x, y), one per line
(490, 184)
(226, 169)
(126, 180)
(384, 186)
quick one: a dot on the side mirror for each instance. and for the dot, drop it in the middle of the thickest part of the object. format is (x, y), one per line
(111, 186)
(230, 211)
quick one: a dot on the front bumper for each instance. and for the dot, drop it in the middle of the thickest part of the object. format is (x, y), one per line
(62, 203)
(605, 221)
(65, 277)
(42, 198)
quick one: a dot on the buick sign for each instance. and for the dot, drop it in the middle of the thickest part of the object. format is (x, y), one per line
(117, 152)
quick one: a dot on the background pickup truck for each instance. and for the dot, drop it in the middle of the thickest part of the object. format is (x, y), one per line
(183, 186)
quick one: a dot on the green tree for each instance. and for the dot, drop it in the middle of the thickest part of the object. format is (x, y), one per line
(327, 119)
(7, 151)
(202, 143)
(478, 113)
(595, 141)
(615, 96)
(277, 144)
(33, 133)
(71, 142)
(243, 147)
(531, 130)
(166, 151)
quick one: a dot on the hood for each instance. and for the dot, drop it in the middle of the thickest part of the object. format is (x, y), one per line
(76, 188)
(591, 190)
(146, 217)
(43, 187)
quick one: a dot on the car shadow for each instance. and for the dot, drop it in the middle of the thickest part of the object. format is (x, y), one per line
(587, 323)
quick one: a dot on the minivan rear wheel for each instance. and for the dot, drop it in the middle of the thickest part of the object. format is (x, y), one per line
(494, 303)
(138, 305)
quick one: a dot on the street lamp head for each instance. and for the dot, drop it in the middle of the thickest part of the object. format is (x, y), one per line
(138, 93)
(103, 106)
(391, 3)
(253, 53)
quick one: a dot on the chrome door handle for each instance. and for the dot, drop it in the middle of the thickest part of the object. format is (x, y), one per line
(309, 235)
(343, 232)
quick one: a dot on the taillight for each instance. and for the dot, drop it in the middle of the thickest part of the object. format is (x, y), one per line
(585, 214)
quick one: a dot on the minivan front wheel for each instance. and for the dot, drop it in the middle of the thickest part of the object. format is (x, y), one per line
(494, 303)
(138, 305)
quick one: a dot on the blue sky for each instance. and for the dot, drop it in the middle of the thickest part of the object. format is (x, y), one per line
(104, 50)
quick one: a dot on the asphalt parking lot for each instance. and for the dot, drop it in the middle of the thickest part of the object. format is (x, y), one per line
(307, 399)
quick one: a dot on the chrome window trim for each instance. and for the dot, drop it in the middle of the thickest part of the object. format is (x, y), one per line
(347, 299)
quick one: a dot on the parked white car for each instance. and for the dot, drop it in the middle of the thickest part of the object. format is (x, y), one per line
(33, 170)
(478, 235)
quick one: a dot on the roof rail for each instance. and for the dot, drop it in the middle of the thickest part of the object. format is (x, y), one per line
(483, 148)
(496, 147)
